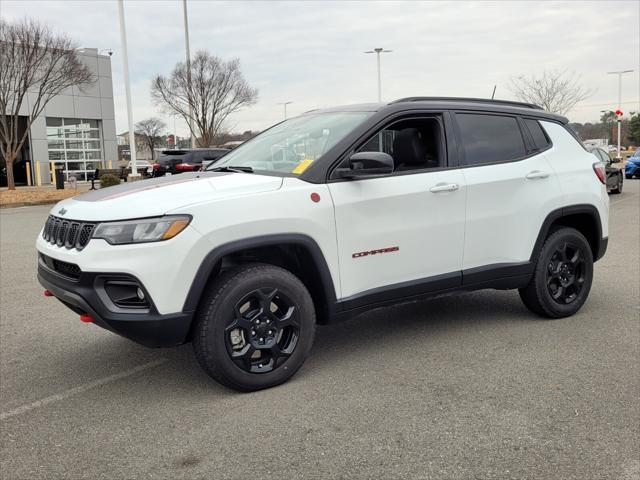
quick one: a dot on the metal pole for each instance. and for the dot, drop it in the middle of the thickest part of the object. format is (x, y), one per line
(619, 117)
(186, 45)
(284, 104)
(175, 134)
(378, 51)
(127, 89)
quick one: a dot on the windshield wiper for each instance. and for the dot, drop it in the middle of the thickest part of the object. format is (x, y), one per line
(231, 168)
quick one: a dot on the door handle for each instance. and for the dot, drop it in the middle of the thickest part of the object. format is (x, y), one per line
(444, 187)
(535, 174)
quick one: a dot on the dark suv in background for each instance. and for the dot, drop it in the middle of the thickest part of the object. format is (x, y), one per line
(178, 161)
(614, 174)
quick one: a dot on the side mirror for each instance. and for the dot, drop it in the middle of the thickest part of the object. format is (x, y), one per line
(367, 164)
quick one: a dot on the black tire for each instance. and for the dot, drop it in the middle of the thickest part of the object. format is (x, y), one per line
(628, 177)
(556, 274)
(225, 328)
(618, 188)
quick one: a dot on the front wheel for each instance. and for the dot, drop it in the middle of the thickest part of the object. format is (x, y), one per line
(255, 327)
(562, 276)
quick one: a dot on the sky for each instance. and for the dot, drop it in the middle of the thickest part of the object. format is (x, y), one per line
(311, 53)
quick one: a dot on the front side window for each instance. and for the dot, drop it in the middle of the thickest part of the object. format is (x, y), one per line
(414, 144)
(291, 146)
(489, 138)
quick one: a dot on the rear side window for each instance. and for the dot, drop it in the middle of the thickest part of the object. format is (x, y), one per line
(489, 138)
(540, 140)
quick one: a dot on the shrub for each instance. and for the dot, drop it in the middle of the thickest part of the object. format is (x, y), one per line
(108, 180)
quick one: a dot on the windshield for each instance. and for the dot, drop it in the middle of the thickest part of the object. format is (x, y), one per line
(293, 145)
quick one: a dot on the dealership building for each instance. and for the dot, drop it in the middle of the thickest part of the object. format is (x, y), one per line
(76, 130)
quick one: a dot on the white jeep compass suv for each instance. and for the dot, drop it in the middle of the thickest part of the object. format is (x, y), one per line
(326, 215)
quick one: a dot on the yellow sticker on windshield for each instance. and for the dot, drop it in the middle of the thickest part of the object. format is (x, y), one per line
(302, 166)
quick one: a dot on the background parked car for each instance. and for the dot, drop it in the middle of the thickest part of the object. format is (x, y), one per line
(614, 174)
(632, 167)
(178, 161)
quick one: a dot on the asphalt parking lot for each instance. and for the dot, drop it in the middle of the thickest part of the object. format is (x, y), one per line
(469, 387)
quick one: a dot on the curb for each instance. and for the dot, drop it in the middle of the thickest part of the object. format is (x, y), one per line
(28, 204)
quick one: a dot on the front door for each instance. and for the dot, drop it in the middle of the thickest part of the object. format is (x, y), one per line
(401, 234)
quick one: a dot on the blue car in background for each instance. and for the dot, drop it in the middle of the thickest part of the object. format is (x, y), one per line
(633, 165)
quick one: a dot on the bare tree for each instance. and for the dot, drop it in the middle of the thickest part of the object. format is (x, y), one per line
(36, 61)
(217, 89)
(555, 91)
(150, 132)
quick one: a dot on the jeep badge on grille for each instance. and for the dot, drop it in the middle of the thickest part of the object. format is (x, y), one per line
(62, 211)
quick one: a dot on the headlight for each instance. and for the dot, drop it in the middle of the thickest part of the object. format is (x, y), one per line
(143, 230)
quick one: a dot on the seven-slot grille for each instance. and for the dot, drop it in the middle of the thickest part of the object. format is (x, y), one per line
(67, 233)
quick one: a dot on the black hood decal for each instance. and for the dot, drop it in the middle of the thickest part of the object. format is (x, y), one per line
(139, 186)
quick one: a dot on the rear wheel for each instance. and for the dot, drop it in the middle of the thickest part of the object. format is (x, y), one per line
(618, 187)
(562, 276)
(255, 327)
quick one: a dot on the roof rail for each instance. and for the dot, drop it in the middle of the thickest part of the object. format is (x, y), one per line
(473, 100)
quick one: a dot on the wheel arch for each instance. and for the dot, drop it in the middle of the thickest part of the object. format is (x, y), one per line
(296, 252)
(584, 218)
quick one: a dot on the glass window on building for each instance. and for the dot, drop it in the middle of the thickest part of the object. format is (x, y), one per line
(77, 143)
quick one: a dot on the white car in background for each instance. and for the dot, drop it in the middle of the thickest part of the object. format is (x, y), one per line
(143, 167)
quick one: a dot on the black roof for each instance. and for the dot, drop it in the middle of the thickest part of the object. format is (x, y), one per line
(490, 101)
(450, 103)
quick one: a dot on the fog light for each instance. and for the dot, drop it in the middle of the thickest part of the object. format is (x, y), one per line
(126, 293)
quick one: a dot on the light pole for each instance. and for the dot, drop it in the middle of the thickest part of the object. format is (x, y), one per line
(127, 89)
(186, 46)
(604, 124)
(619, 73)
(284, 104)
(378, 51)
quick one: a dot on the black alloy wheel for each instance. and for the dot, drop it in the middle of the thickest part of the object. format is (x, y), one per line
(566, 273)
(263, 332)
(562, 275)
(254, 327)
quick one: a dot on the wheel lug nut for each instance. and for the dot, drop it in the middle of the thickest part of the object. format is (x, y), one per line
(268, 321)
(253, 332)
(262, 339)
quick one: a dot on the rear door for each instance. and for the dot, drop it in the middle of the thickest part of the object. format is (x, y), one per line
(510, 189)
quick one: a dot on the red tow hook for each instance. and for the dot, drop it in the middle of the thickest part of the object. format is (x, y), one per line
(86, 318)
(47, 293)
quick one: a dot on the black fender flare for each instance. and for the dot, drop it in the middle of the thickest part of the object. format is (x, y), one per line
(600, 246)
(214, 256)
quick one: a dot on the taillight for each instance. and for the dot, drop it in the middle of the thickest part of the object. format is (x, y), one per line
(184, 167)
(156, 166)
(600, 172)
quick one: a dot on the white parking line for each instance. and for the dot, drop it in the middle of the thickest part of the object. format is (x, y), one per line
(80, 389)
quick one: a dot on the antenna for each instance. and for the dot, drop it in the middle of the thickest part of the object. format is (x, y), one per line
(494, 91)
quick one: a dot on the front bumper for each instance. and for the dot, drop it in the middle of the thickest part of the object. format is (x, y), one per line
(85, 295)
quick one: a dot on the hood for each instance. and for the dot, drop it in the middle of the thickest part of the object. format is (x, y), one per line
(157, 196)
